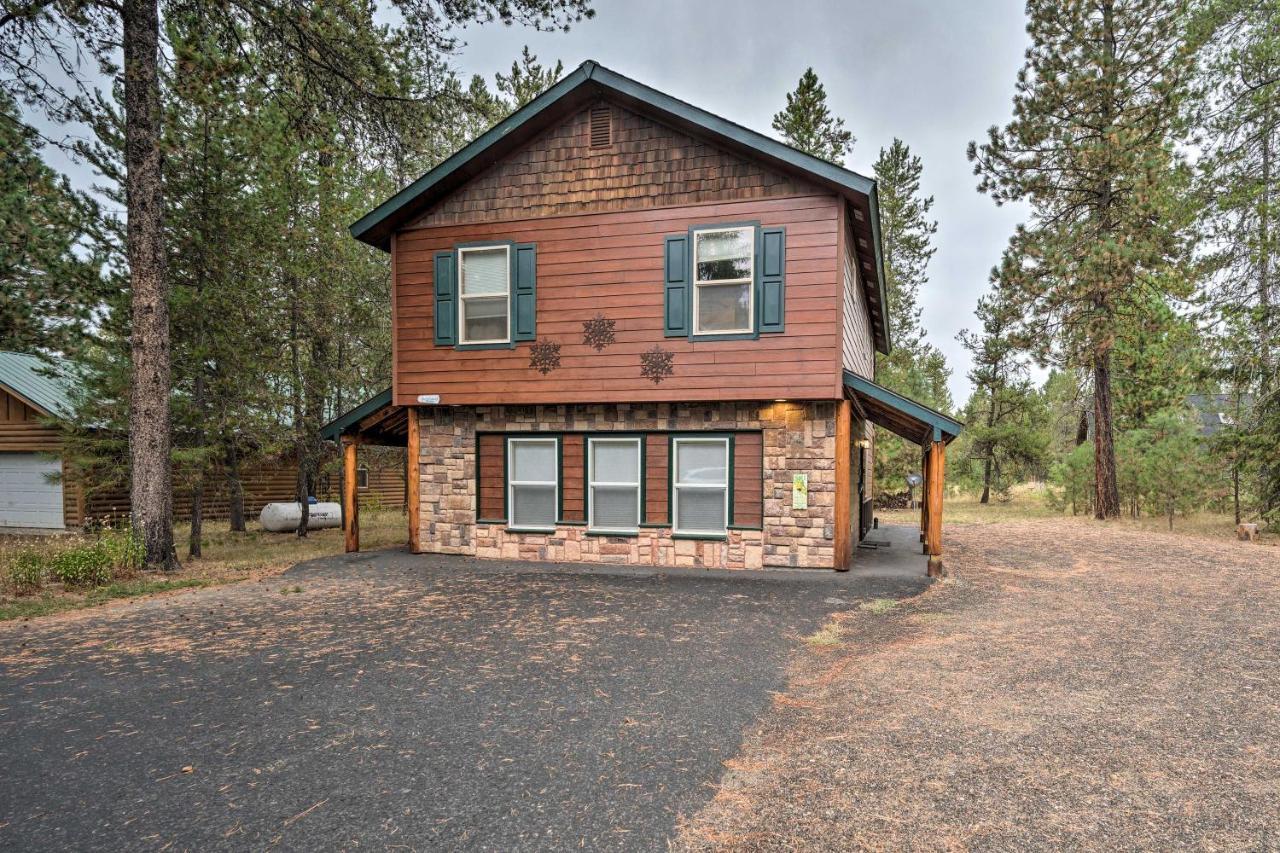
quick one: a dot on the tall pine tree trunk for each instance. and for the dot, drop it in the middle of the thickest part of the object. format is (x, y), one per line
(1106, 502)
(235, 488)
(151, 485)
(986, 465)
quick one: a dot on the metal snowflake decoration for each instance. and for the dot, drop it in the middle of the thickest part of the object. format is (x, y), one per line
(544, 356)
(656, 364)
(598, 332)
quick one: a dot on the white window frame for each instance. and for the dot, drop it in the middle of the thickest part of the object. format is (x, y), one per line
(462, 293)
(677, 486)
(592, 482)
(749, 281)
(512, 442)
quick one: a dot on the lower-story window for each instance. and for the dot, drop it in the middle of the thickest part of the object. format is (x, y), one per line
(532, 482)
(700, 485)
(614, 477)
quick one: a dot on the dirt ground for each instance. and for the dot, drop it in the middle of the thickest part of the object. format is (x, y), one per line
(1071, 685)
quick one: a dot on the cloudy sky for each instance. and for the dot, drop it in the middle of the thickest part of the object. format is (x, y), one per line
(936, 73)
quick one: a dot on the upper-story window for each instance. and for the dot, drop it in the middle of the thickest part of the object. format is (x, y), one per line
(485, 295)
(724, 276)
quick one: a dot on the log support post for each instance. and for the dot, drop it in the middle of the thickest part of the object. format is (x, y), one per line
(413, 456)
(350, 496)
(844, 486)
(933, 498)
(924, 500)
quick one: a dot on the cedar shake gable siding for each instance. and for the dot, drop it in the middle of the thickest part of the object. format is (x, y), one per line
(598, 217)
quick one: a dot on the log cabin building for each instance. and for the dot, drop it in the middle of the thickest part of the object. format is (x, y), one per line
(628, 330)
(42, 491)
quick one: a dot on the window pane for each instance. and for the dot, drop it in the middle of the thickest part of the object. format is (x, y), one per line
(533, 506)
(702, 462)
(724, 254)
(700, 510)
(484, 272)
(485, 319)
(615, 507)
(533, 460)
(724, 307)
(615, 461)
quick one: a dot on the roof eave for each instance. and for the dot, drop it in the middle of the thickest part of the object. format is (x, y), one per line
(375, 227)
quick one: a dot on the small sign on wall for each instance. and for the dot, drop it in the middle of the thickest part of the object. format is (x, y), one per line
(799, 491)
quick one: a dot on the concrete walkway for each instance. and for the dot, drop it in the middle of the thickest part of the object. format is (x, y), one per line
(899, 557)
(391, 700)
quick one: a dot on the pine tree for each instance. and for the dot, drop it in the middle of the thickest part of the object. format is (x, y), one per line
(1091, 148)
(1238, 111)
(913, 367)
(807, 123)
(51, 249)
(1008, 420)
(528, 79)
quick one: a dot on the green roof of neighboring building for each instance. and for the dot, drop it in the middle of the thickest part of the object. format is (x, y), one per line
(48, 386)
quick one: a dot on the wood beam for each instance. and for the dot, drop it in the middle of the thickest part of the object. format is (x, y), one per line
(937, 479)
(924, 503)
(844, 486)
(413, 473)
(350, 496)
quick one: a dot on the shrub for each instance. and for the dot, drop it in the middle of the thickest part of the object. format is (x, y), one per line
(86, 565)
(117, 553)
(123, 550)
(26, 572)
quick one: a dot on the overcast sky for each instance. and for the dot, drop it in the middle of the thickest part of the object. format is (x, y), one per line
(936, 73)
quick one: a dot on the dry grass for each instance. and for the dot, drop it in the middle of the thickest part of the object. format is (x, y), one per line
(1028, 501)
(227, 558)
(1073, 685)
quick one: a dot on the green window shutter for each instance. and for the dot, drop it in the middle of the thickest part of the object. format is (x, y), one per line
(676, 301)
(770, 277)
(446, 285)
(524, 288)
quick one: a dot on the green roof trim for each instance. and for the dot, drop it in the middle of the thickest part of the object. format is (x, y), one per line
(591, 78)
(944, 427)
(336, 427)
(46, 385)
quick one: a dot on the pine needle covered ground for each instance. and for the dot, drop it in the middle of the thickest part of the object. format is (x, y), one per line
(228, 557)
(1072, 684)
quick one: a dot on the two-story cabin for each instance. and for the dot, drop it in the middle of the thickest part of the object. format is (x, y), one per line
(628, 330)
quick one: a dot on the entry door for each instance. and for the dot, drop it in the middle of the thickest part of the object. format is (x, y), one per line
(27, 497)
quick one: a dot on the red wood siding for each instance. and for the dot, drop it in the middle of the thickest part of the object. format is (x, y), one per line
(657, 461)
(491, 467)
(646, 165)
(22, 429)
(573, 478)
(612, 264)
(748, 479)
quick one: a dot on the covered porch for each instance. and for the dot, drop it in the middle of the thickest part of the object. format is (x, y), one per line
(920, 425)
(376, 422)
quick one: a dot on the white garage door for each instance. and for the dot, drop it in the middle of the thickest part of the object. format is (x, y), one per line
(27, 498)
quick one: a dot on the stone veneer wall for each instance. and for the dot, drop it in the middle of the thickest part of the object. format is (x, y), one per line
(798, 438)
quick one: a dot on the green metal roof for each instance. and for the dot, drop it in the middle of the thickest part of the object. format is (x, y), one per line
(924, 421)
(591, 80)
(338, 425)
(47, 386)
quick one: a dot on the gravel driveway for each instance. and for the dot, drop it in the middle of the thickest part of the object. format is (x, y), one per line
(387, 700)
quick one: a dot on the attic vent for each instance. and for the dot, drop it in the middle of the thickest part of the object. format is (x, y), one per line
(601, 127)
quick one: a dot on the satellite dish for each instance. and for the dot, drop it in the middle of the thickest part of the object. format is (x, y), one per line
(914, 480)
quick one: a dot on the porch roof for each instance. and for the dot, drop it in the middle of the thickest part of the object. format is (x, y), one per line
(900, 415)
(375, 421)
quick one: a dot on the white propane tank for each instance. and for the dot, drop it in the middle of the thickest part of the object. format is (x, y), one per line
(284, 517)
